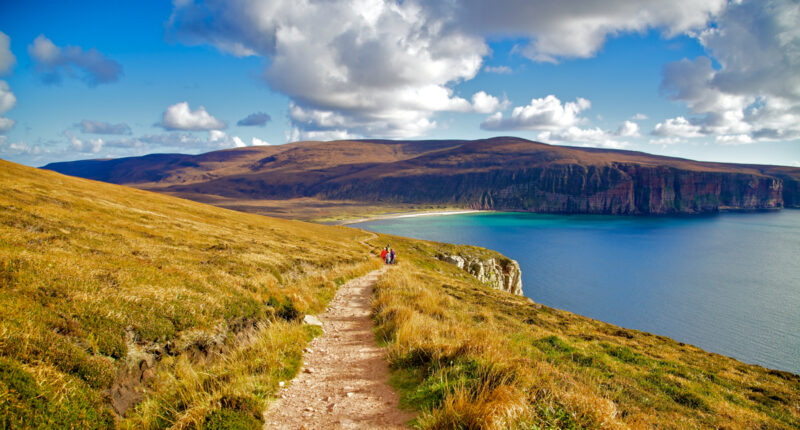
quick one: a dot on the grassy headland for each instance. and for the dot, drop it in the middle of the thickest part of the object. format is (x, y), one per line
(470, 357)
(126, 308)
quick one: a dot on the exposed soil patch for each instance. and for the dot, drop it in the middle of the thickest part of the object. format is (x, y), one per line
(344, 381)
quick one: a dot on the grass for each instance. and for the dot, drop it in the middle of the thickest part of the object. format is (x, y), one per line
(129, 309)
(466, 356)
(102, 285)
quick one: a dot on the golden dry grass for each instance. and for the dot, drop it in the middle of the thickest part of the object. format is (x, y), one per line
(470, 357)
(98, 282)
(97, 279)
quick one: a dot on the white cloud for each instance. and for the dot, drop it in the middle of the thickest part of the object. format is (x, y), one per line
(639, 117)
(221, 140)
(100, 127)
(485, 103)
(560, 122)
(664, 141)
(297, 135)
(541, 114)
(594, 137)
(501, 70)
(378, 68)
(86, 146)
(628, 129)
(53, 63)
(755, 91)
(574, 28)
(734, 139)
(385, 68)
(18, 148)
(180, 117)
(238, 143)
(258, 142)
(677, 127)
(7, 101)
(7, 58)
(7, 98)
(6, 124)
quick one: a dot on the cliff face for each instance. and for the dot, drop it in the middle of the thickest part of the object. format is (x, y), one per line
(499, 274)
(618, 189)
(502, 173)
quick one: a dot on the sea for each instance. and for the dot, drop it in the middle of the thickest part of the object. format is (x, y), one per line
(728, 282)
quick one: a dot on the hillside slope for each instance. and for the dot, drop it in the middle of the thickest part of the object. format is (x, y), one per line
(110, 293)
(125, 308)
(502, 173)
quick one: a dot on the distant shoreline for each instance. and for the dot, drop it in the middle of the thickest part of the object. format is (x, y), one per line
(411, 215)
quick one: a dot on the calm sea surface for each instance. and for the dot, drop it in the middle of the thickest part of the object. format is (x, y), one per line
(729, 283)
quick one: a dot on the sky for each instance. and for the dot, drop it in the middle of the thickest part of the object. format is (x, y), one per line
(713, 80)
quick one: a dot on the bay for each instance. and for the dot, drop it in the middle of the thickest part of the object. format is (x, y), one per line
(729, 282)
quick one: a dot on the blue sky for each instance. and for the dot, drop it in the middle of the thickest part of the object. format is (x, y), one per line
(709, 80)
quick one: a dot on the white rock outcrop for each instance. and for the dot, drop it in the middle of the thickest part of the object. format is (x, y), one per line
(502, 275)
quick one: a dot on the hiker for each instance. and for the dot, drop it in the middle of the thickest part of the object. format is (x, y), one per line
(384, 251)
(391, 256)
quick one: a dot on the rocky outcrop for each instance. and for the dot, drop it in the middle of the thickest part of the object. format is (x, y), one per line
(502, 274)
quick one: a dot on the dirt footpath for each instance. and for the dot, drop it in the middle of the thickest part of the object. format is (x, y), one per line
(343, 383)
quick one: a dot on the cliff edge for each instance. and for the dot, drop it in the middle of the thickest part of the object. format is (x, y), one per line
(499, 273)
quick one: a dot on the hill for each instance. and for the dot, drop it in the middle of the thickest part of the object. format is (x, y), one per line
(502, 173)
(130, 309)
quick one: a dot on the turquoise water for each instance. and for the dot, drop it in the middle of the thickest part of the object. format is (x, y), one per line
(729, 283)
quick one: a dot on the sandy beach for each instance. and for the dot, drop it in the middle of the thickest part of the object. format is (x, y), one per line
(410, 215)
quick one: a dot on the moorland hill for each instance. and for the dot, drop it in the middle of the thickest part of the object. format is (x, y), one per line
(503, 173)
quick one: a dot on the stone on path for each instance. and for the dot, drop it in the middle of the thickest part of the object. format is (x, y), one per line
(312, 320)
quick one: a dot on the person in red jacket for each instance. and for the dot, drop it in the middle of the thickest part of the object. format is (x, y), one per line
(384, 252)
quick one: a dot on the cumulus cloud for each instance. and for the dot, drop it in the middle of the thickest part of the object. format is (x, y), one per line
(19, 148)
(180, 117)
(172, 141)
(297, 134)
(560, 122)
(360, 67)
(7, 101)
(85, 146)
(222, 140)
(485, 103)
(258, 142)
(547, 113)
(7, 58)
(573, 28)
(100, 127)
(6, 124)
(628, 129)
(734, 139)
(677, 127)
(386, 67)
(595, 137)
(54, 62)
(7, 98)
(259, 119)
(755, 90)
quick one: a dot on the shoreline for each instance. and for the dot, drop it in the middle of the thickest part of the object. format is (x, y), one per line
(410, 215)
